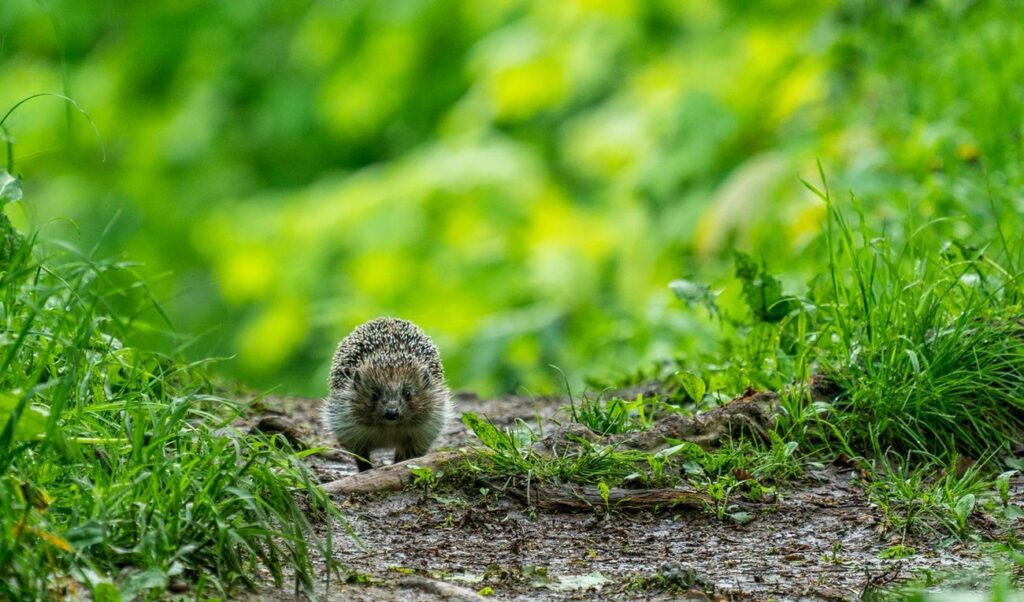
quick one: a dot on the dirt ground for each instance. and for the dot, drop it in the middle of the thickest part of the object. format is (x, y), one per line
(820, 540)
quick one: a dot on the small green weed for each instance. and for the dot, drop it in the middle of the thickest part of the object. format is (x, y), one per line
(897, 551)
(777, 461)
(929, 497)
(672, 578)
(424, 477)
(511, 454)
(615, 415)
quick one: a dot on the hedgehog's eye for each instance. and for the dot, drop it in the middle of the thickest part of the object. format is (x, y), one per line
(375, 396)
(406, 393)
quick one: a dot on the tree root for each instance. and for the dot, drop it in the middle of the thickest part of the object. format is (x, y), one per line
(392, 477)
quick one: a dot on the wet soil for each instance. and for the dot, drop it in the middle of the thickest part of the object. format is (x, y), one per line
(821, 539)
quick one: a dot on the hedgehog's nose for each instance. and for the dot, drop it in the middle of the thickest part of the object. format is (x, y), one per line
(391, 413)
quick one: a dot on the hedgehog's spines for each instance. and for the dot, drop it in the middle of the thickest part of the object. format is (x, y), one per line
(384, 340)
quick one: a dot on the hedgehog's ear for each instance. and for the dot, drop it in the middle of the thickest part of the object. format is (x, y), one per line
(356, 375)
(424, 376)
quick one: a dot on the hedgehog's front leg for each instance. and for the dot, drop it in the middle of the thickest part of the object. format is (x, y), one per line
(362, 459)
(409, 450)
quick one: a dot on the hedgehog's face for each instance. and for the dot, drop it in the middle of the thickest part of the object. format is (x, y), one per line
(393, 394)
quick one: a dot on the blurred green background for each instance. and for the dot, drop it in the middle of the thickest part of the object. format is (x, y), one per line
(521, 178)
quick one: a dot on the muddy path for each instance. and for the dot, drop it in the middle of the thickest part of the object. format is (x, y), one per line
(820, 540)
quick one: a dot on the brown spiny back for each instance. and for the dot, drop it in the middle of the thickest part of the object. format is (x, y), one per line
(385, 341)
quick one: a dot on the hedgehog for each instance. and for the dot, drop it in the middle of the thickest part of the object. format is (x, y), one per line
(386, 390)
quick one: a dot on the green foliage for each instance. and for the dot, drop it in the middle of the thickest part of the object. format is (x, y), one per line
(10, 240)
(21, 420)
(776, 461)
(742, 468)
(762, 291)
(511, 453)
(615, 415)
(424, 477)
(692, 385)
(897, 552)
(521, 179)
(936, 498)
(121, 471)
(928, 351)
(696, 294)
(10, 188)
(671, 578)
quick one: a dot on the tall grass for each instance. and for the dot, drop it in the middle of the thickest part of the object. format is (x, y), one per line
(925, 341)
(120, 471)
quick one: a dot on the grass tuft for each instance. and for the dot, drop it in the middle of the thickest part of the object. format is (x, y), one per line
(929, 497)
(926, 345)
(121, 472)
(614, 415)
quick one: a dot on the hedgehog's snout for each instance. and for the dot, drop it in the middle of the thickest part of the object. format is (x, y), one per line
(388, 406)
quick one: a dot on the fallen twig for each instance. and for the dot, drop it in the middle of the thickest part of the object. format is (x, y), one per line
(392, 477)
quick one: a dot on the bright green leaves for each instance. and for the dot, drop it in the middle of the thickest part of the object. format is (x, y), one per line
(695, 294)
(693, 385)
(615, 415)
(762, 291)
(488, 434)
(10, 240)
(106, 592)
(10, 188)
(29, 420)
